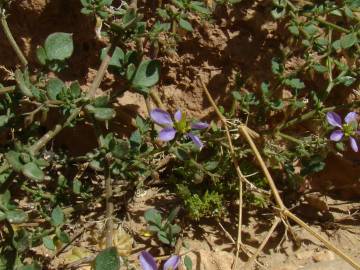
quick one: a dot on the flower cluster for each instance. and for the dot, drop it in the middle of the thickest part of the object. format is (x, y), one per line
(348, 130)
(148, 262)
(180, 125)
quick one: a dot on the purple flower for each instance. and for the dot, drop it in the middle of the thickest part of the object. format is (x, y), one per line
(180, 125)
(346, 130)
(148, 262)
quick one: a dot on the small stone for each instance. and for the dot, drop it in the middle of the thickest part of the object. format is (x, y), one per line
(305, 254)
(325, 255)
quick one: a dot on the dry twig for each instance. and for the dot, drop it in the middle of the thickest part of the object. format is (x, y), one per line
(236, 164)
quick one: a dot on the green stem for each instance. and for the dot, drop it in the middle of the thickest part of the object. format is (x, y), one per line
(42, 194)
(109, 209)
(11, 39)
(332, 25)
(92, 91)
(7, 89)
(289, 138)
(312, 113)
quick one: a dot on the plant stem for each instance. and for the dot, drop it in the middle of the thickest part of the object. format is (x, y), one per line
(11, 39)
(109, 209)
(42, 194)
(283, 211)
(328, 244)
(289, 138)
(332, 25)
(155, 97)
(250, 262)
(239, 173)
(262, 164)
(92, 91)
(7, 89)
(310, 114)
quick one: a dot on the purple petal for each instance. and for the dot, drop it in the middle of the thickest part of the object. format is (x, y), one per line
(333, 119)
(196, 140)
(178, 115)
(161, 117)
(336, 135)
(172, 263)
(167, 134)
(351, 117)
(353, 144)
(199, 125)
(147, 261)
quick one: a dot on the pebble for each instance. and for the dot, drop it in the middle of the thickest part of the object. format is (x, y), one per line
(324, 255)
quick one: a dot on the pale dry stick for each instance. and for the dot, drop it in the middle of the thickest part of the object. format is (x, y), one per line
(237, 168)
(250, 262)
(227, 233)
(284, 211)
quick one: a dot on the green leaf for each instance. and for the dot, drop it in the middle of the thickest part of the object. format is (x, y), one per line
(135, 139)
(348, 12)
(107, 259)
(199, 7)
(57, 216)
(104, 114)
(276, 66)
(163, 237)
(62, 236)
(21, 240)
(76, 186)
(320, 68)
(117, 58)
(348, 40)
(2, 215)
(153, 216)
(310, 29)
(141, 124)
(101, 101)
(16, 216)
(278, 12)
(336, 44)
(96, 165)
(130, 71)
(5, 199)
(49, 243)
(75, 89)
(120, 149)
(295, 83)
(59, 46)
(4, 119)
(346, 80)
(41, 55)
(54, 87)
(175, 229)
(23, 82)
(33, 171)
(184, 24)
(173, 214)
(294, 30)
(14, 159)
(188, 263)
(147, 74)
(313, 165)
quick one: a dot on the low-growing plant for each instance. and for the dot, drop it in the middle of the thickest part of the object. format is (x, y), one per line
(165, 230)
(296, 123)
